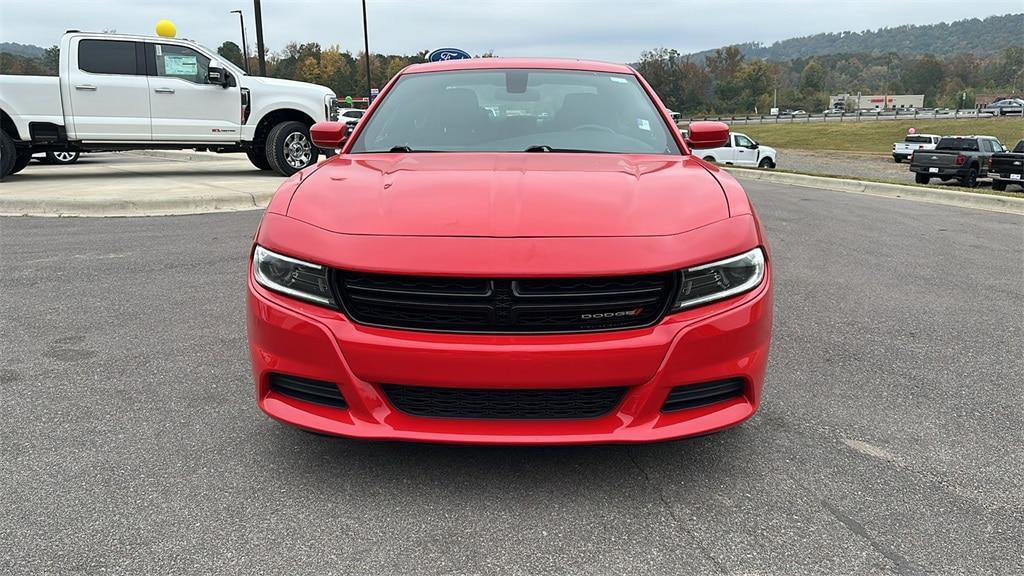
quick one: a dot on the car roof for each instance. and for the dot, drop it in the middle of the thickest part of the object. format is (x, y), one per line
(537, 63)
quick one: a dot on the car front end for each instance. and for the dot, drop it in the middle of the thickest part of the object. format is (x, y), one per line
(494, 297)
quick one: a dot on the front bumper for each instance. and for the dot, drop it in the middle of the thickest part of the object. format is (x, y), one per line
(726, 339)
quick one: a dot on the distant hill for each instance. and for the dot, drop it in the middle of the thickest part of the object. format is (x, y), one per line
(26, 50)
(986, 37)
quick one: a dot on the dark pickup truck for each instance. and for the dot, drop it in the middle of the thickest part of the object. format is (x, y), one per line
(962, 157)
(1007, 168)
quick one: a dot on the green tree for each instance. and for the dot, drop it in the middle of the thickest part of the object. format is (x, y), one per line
(232, 53)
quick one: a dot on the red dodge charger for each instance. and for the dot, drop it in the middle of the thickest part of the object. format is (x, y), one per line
(511, 251)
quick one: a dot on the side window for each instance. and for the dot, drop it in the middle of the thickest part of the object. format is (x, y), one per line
(107, 57)
(181, 62)
(743, 141)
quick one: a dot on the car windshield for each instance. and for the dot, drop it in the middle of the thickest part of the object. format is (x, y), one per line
(917, 139)
(516, 110)
(963, 144)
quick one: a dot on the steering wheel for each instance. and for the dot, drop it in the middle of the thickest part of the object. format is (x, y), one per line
(594, 127)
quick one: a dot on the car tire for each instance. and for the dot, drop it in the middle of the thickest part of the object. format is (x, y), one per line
(62, 157)
(709, 158)
(766, 163)
(971, 180)
(921, 178)
(897, 159)
(998, 185)
(258, 157)
(21, 159)
(8, 154)
(289, 148)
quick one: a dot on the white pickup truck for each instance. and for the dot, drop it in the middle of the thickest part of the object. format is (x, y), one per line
(122, 92)
(741, 150)
(913, 142)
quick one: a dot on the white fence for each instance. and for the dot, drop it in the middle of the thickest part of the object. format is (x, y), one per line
(864, 116)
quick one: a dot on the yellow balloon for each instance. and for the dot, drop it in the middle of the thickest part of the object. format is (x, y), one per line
(166, 29)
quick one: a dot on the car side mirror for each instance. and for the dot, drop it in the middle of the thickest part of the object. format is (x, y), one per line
(329, 135)
(218, 76)
(754, 146)
(704, 135)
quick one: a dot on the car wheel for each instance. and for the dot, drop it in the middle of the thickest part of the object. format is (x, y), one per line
(8, 154)
(897, 159)
(21, 159)
(289, 148)
(61, 157)
(945, 178)
(766, 163)
(921, 178)
(709, 158)
(971, 180)
(258, 157)
(998, 185)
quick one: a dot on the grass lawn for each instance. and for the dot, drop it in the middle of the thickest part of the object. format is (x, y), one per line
(875, 136)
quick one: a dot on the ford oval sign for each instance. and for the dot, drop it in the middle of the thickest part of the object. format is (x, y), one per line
(444, 54)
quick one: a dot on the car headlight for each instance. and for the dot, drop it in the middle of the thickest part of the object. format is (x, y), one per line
(292, 277)
(718, 280)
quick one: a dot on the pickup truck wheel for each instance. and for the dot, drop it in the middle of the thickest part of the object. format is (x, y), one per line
(709, 158)
(971, 180)
(998, 185)
(61, 157)
(289, 148)
(20, 161)
(921, 178)
(897, 159)
(8, 154)
(766, 163)
(259, 159)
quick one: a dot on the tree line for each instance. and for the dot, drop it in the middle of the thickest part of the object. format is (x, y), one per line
(722, 81)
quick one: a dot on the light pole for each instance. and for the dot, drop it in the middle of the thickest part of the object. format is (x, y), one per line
(259, 38)
(245, 47)
(366, 51)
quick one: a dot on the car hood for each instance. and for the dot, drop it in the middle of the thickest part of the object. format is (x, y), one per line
(509, 195)
(287, 84)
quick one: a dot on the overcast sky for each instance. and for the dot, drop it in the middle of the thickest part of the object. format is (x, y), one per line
(597, 29)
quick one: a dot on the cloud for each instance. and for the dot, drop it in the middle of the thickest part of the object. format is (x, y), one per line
(600, 29)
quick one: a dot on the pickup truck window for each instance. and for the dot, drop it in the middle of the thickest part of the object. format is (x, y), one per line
(181, 62)
(1019, 148)
(961, 144)
(918, 139)
(743, 141)
(107, 57)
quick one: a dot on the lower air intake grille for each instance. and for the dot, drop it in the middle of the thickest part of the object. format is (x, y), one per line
(504, 404)
(314, 391)
(694, 395)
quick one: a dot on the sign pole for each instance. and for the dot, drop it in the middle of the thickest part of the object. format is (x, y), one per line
(366, 52)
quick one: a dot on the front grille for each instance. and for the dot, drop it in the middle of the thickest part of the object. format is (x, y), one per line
(517, 404)
(694, 395)
(504, 305)
(314, 391)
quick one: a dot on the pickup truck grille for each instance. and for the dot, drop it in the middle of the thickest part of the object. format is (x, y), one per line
(501, 305)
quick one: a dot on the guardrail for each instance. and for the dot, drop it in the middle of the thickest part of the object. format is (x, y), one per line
(862, 116)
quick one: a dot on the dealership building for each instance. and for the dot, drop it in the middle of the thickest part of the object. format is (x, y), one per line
(853, 102)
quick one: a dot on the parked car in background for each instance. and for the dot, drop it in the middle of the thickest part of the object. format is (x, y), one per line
(120, 92)
(1006, 107)
(912, 143)
(1007, 167)
(742, 150)
(962, 157)
(350, 116)
(57, 157)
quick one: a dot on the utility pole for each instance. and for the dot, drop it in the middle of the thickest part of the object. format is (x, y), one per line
(259, 39)
(245, 47)
(366, 52)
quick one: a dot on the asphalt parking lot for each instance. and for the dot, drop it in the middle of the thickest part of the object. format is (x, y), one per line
(889, 442)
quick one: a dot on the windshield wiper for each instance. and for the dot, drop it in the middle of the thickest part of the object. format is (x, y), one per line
(546, 148)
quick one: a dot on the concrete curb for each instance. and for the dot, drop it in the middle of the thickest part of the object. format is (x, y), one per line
(226, 201)
(988, 202)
